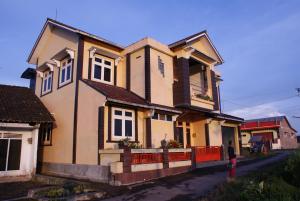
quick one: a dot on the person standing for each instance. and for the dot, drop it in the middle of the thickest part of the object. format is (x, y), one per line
(232, 162)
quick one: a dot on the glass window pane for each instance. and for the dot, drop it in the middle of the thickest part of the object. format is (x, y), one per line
(45, 85)
(128, 114)
(155, 116)
(3, 153)
(118, 127)
(162, 117)
(118, 112)
(14, 155)
(97, 72)
(98, 60)
(128, 128)
(107, 74)
(169, 118)
(49, 82)
(107, 63)
(63, 75)
(68, 73)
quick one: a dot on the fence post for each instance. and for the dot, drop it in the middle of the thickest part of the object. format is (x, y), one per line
(165, 158)
(193, 158)
(127, 160)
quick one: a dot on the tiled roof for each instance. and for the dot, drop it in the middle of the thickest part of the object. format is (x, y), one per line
(21, 105)
(116, 93)
(123, 96)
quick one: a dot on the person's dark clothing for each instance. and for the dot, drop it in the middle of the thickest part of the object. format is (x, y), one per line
(231, 153)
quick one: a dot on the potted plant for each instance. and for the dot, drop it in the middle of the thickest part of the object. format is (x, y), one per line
(124, 143)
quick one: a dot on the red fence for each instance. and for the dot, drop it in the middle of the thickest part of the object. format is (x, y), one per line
(209, 153)
(145, 158)
(179, 156)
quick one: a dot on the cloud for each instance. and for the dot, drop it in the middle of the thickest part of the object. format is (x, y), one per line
(259, 111)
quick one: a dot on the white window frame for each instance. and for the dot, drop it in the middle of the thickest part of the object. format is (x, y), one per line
(65, 67)
(164, 119)
(8, 148)
(103, 65)
(123, 118)
(47, 75)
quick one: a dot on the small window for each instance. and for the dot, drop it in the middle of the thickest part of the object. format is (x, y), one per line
(155, 116)
(161, 66)
(169, 117)
(47, 83)
(45, 133)
(123, 123)
(102, 69)
(162, 117)
(65, 72)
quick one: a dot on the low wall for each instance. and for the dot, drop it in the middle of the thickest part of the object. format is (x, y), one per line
(137, 165)
(98, 173)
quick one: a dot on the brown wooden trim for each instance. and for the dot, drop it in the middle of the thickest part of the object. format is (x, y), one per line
(181, 87)
(214, 90)
(128, 76)
(115, 75)
(136, 125)
(100, 131)
(109, 124)
(103, 44)
(90, 69)
(78, 77)
(148, 133)
(207, 140)
(147, 74)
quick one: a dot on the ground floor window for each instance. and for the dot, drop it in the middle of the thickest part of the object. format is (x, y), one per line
(45, 133)
(10, 151)
(123, 123)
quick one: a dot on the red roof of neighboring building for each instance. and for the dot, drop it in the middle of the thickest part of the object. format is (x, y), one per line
(264, 123)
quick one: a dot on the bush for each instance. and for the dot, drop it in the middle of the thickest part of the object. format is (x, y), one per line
(292, 169)
(172, 144)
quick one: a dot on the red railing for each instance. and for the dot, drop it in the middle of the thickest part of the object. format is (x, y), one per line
(179, 156)
(145, 158)
(208, 153)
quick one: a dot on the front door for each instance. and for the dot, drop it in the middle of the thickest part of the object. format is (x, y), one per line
(227, 135)
(180, 136)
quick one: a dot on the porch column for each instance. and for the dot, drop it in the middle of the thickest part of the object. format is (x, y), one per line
(148, 133)
(240, 139)
(181, 87)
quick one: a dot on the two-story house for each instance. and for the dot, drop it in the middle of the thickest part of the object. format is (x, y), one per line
(100, 93)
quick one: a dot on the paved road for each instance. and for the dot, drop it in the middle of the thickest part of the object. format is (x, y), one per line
(191, 188)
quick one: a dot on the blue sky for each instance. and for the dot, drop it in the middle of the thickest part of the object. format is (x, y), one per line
(259, 41)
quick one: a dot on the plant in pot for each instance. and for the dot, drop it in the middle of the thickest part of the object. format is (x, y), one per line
(124, 143)
(173, 144)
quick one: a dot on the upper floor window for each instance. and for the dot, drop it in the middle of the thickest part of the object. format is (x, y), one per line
(163, 117)
(47, 82)
(161, 66)
(123, 123)
(102, 69)
(65, 71)
(203, 79)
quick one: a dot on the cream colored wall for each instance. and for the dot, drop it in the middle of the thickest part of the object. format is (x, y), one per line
(204, 46)
(89, 101)
(161, 87)
(60, 102)
(161, 130)
(121, 67)
(137, 72)
(198, 133)
(215, 133)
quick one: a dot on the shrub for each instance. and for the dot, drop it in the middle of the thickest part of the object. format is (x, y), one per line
(292, 169)
(173, 144)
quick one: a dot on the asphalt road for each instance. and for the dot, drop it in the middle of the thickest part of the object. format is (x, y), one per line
(192, 187)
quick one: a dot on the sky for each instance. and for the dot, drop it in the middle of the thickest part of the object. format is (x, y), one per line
(259, 41)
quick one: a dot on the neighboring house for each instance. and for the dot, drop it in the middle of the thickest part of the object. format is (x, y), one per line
(277, 130)
(22, 118)
(100, 92)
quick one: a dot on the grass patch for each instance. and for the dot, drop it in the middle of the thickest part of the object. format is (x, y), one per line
(279, 182)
